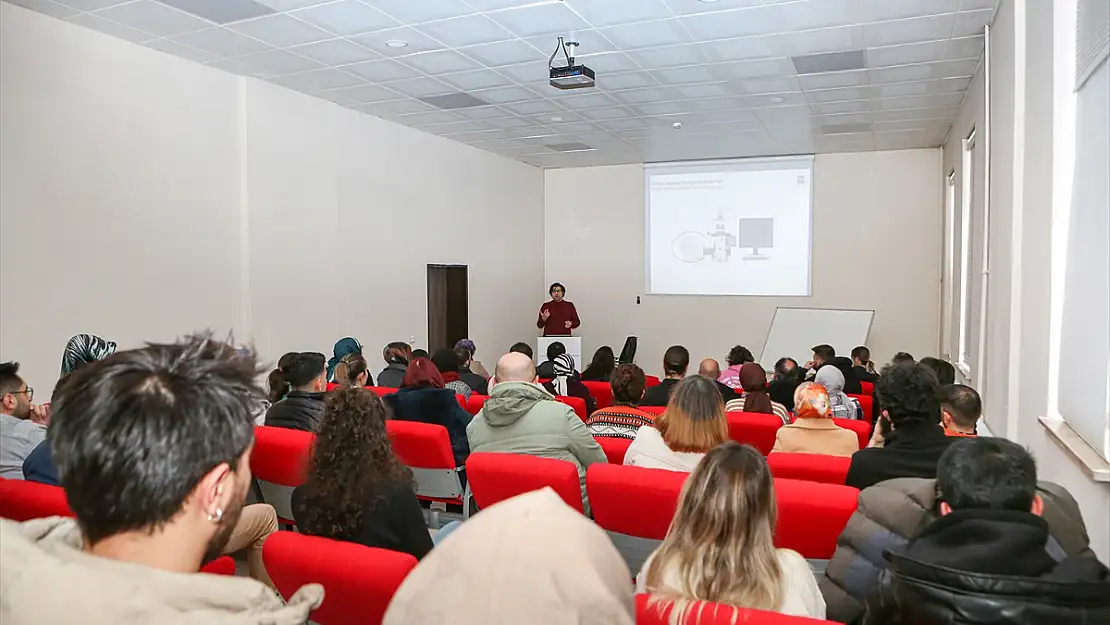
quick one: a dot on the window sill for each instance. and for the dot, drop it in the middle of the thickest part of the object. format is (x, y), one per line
(1088, 457)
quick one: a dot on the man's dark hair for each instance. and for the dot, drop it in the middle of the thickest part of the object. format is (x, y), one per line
(304, 367)
(908, 393)
(419, 353)
(556, 349)
(628, 382)
(861, 354)
(780, 366)
(521, 348)
(902, 358)
(676, 360)
(985, 472)
(9, 378)
(133, 434)
(445, 359)
(945, 372)
(825, 352)
(963, 403)
(739, 355)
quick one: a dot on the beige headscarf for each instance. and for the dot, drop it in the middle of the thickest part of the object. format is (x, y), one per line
(530, 559)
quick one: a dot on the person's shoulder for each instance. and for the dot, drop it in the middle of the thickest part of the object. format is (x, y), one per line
(792, 560)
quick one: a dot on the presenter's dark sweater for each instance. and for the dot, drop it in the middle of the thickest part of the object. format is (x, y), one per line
(561, 313)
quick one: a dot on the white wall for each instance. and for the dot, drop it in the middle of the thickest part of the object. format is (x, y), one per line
(145, 196)
(877, 244)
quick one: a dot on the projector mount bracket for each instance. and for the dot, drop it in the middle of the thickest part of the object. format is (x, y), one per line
(565, 47)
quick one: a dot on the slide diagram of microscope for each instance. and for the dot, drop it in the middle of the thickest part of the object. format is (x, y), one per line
(754, 233)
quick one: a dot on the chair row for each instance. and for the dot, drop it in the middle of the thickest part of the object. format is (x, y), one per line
(759, 430)
(474, 403)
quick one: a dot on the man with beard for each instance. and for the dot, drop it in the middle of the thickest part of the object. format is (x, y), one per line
(153, 449)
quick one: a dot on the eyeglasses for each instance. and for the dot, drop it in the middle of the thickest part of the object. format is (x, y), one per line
(30, 393)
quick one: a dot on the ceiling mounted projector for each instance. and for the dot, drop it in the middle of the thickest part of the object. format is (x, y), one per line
(570, 76)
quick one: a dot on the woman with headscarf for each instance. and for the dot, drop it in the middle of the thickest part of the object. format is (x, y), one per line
(843, 407)
(397, 356)
(753, 379)
(566, 382)
(344, 346)
(493, 571)
(813, 431)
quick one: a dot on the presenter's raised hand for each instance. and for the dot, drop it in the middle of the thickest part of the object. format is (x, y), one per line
(545, 314)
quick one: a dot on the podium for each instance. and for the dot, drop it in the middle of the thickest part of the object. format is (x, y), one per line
(572, 343)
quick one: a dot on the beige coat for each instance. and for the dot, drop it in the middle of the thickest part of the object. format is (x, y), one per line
(46, 577)
(816, 436)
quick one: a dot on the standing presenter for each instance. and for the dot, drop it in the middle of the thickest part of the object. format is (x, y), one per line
(557, 317)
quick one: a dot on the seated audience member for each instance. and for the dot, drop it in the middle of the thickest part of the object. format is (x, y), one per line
(494, 571)
(902, 358)
(22, 425)
(522, 348)
(756, 398)
(843, 407)
(423, 398)
(720, 546)
(945, 372)
(601, 367)
(738, 356)
(813, 431)
(566, 382)
(421, 353)
(693, 423)
(711, 370)
(851, 380)
(473, 365)
(153, 448)
(675, 362)
(822, 355)
(623, 418)
(908, 439)
(477, 383)
(861, 362)
(397, 357)
(520, 417)
(960, 408)
(304, 375)
(989, 558)
(447, 362)
(788, 376)
(347, 345)
(356, 488)
(546, 369)
(352, 372)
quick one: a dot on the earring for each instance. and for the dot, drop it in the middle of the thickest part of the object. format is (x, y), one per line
(216, 518)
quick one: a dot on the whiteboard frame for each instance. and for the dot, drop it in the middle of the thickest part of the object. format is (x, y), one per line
(767, 338)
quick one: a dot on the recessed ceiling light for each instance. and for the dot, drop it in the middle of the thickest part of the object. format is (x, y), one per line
(776, 100)
(678, 125)
(396, 43)
(556, 119)
(708, 1)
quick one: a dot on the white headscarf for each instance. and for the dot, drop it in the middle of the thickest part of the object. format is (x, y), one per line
(832, 379)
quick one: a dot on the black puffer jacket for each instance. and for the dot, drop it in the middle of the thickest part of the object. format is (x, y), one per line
(298, 411)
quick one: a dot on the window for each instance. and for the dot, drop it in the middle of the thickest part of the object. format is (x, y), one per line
(948, 287)
(967, 257)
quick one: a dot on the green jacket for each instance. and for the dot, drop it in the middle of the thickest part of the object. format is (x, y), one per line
(523, 418)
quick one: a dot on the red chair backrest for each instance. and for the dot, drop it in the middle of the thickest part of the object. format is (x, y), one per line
(281, 455)
(861, 428)
(655, 410)
(614, 447)
(868, 388)
(633, 500)
(223, 565)
(420, 445)
(331, 386)
(21, 500)
(358, 581)
(755, 429)
(381, 391)
(475, 403)
(812, 467)
(602, 393)
(812, 516)
(651, 381)
(868, 405)
(577, 403)
(708, 613)
(494, 477)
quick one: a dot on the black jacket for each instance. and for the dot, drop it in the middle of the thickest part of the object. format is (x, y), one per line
(990, 567)
(393, 521)
(910, 451)
(864, 375)
(477, 383)
(298, 411)
(782, 391)
(437, 406)
(546, 370)
(659, 394)
(575, 388)
(392, 375)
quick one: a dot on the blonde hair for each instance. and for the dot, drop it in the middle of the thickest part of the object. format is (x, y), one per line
(811, 401)
(720, 545)
(694, 420)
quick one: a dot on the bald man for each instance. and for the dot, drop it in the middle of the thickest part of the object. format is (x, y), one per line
(711, 369)
(520, 417)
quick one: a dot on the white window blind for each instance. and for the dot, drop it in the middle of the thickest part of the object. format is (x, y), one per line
(967, 258)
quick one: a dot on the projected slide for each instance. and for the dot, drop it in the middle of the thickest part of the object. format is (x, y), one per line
(737, 227)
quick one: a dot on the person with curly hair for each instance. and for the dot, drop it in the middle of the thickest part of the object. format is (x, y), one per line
(356, 489)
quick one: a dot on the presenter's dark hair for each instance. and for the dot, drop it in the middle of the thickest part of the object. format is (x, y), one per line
(551, 289)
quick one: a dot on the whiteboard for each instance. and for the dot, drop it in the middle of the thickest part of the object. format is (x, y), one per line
(794, 332)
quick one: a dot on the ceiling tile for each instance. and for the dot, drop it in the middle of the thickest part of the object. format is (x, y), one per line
(532, 107)
(970, 23)
(608, 12)
(362, 94)
(421, 87)
(673, 56)
(278, 62)
(953, 85)
(837, 95)
(965, 48)
(510, 122)
(346, 17)
(501, 95)
(51, 8)
(907, 53)
(707, 90)
(686, 75)
(382, 70)
(627, 80)
(108, 27)
(501, 53)
(235, 66)
(654, 34)
(773, 99)
(833, 108)
(221, 11)
(396, 107)
(428, 117)
(763, 68)
(465, 31)
(900, 89)
(415, 41)
(833, 80)
(157, 19)
(539, 19)
(486, 113)
(782, 84)
(649, 94)
(440, 62)
(317, 80)
(456, 127)
(419, 11)
(971, 5)
(660, 108)
(280, 30)
(820, 41)
(480, 79)
(608, 62)
(335, 52)
(880, 10)
(289, 5)
(607, 114)
(954, 69)
(589, 42)
(902, 73)
(179, 49)
(898, 32)
(222, 42)
(588, 101)
(742, 48)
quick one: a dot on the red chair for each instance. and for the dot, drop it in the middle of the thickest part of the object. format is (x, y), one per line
(462, 401)
(426, 449)
(707, 613)
(494, 477)
(652, 381)
(280, 463)
(602, 392)
(634, 505)
(614, 447)
(868, 388)
(381, 391)
(577, 403)
(812, 516)
(861, 428)
(756, 429)
(358, 581)
(811, 467)
(868, 404)
(331, 386)
(655, 410)
(223, 565)
(475, 403)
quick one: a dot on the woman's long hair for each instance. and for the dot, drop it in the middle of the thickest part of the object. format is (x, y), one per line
(602, 365)
(349, 368)
(352, 464)
(694, 420)
(720, 544)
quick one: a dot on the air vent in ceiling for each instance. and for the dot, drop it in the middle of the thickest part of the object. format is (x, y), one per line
(829, 62)
(844, 129)
(568, 147)
(222, 11)
(454, 101)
